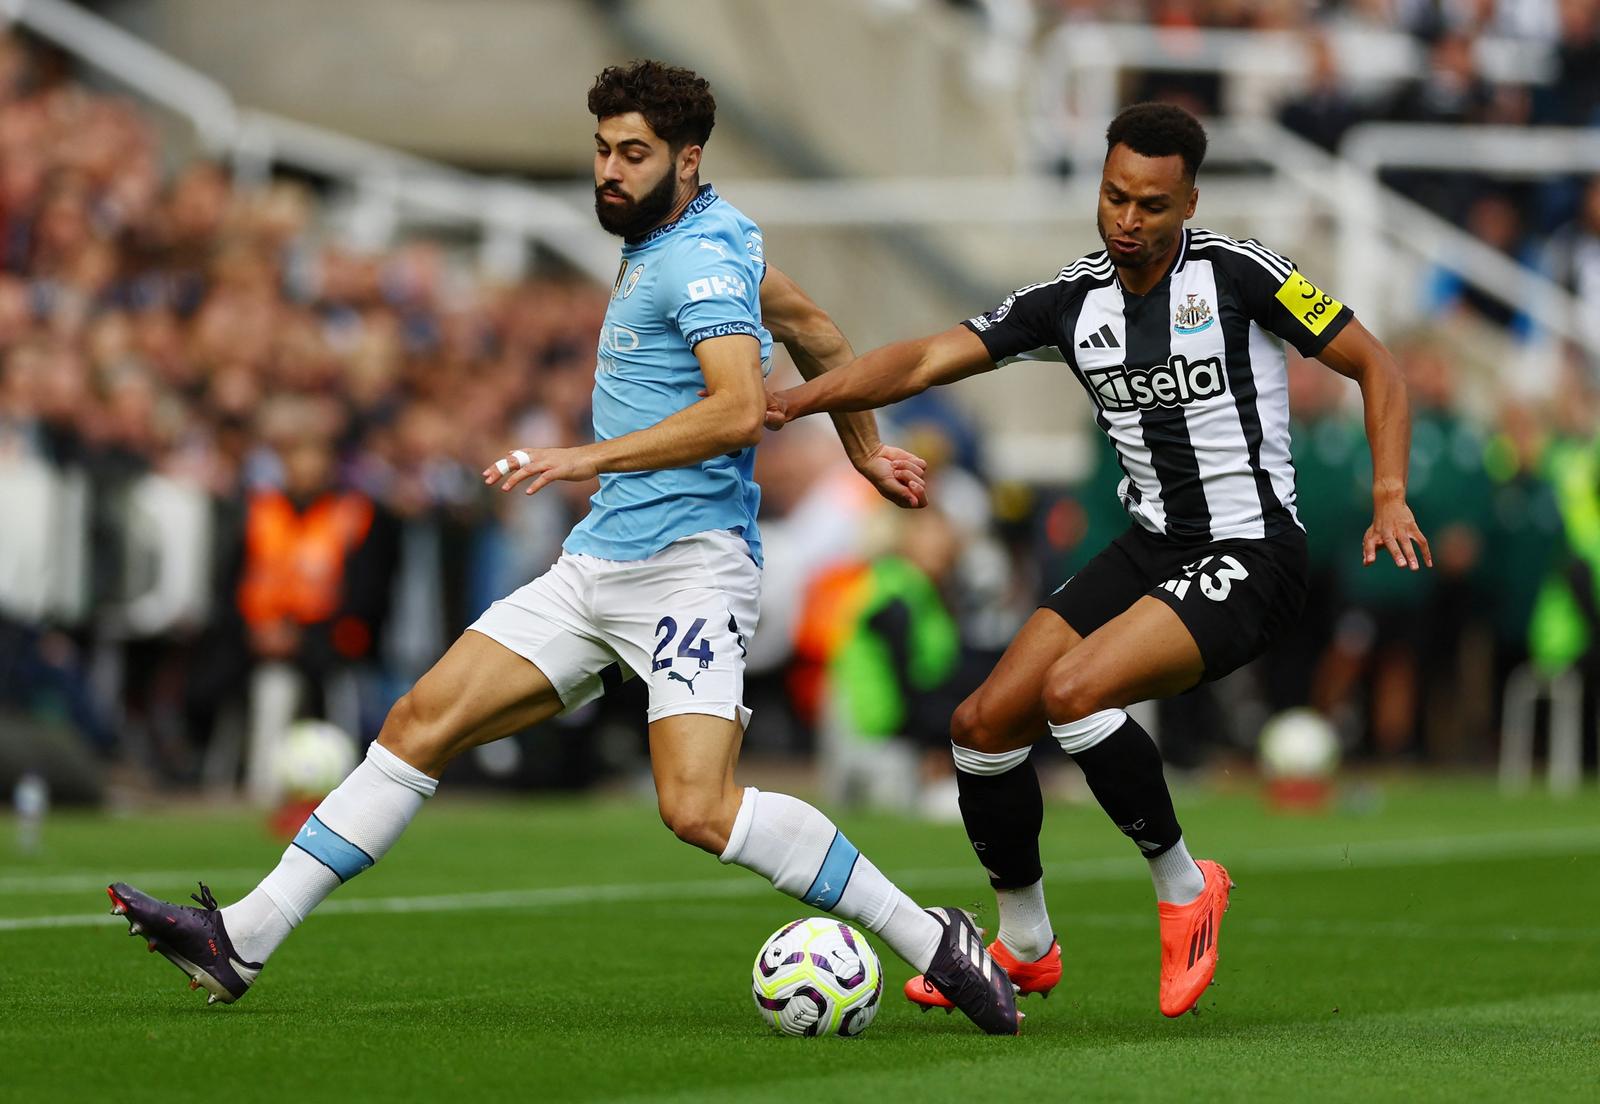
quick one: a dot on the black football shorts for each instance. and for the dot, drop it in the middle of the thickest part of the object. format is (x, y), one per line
(1234, 596)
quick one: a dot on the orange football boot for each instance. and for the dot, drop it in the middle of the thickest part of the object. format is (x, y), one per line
(1189, 941)
(1039, 976)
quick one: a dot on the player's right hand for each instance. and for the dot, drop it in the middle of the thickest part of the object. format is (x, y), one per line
(898, 475)
(543, 466)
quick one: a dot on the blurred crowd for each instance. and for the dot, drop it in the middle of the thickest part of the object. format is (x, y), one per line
(238, 480)
(226, 440)
(1559, 24)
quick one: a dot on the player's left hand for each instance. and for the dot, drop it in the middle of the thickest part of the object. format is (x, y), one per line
(543, 466)
(1393, 527)
(898, 475)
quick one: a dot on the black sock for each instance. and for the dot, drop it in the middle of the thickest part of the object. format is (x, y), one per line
(1003, 814)
(1124, 774)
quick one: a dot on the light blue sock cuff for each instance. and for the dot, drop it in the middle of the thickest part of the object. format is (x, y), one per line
(331, 849)
(837, 866)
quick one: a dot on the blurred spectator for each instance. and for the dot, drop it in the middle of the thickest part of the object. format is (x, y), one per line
(1574, 95)
(1404, 631)
(312, 591)
(1573, 259)
(1326, 109)
(892, 681)
(1525, 532)
(1565, 626)
(1330, 457)
(1495, 220)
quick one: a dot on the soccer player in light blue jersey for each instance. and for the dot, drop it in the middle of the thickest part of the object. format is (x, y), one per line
(660, 581)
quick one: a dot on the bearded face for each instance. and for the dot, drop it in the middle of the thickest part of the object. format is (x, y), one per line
(632, 216)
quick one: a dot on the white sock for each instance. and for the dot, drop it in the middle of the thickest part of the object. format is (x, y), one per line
(801, 853)
(352, 829)
(1025, 921)
(1178, 880)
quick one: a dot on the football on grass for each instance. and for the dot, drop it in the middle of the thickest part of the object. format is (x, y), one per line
(817, 977)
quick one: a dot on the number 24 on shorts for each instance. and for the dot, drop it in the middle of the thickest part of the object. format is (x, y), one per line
(667, 629)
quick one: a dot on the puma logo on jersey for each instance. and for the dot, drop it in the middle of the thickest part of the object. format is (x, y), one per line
(1179, 382)
(689, 682)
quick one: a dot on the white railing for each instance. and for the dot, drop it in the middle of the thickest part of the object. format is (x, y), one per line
(1075, 91)
(1372, 224)
(1500, 150)
(509, 215)
(1077, 68)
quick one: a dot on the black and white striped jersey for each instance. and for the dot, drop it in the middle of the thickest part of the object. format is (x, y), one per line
(1186, 380)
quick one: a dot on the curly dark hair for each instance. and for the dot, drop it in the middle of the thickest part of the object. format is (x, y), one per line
(1159, 130)
(677, 103)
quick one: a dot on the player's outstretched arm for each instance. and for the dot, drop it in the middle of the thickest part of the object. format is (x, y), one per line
(885, 376)
(817, 346)
(1362, 357)
(726, 420)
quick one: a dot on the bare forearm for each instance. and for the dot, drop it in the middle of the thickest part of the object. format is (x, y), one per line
(825, 349)
(877, 379)
(713, 426)
(1388, 420)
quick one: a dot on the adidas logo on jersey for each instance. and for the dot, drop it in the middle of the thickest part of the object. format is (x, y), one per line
(1179, 382)
(1102, 338)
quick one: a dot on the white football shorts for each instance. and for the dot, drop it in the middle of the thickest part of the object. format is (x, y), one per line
(678, 619)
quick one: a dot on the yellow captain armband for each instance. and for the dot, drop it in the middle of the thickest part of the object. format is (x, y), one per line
(1313, 307)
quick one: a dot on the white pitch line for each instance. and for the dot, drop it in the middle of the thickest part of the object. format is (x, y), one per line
(85, 881)
(1424, 851)
(1374, 854)
(1397, 929)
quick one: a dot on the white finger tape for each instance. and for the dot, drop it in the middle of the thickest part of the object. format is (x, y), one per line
(503, 466)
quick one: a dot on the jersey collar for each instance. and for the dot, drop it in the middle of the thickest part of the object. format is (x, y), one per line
(705, 197)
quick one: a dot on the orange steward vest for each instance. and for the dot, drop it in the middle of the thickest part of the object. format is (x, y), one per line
(294, 563)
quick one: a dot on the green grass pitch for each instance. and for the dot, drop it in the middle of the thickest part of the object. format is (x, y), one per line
(1443, 944)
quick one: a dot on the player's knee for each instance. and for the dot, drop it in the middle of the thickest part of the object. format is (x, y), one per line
(1070, 695)
(416, 730)
(973, 726)
(695, 821)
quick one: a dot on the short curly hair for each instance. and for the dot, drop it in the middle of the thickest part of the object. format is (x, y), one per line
(677, 103)
(1159, 130)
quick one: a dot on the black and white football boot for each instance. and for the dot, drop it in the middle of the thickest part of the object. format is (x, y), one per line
(192, 939)
(963, 970)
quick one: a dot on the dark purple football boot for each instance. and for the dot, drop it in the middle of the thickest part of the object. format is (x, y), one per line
(193, 939)
(969, 978)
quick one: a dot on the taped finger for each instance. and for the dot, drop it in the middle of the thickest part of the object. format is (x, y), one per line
(504, 466)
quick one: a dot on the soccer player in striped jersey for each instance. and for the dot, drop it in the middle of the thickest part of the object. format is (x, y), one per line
(1171, 332)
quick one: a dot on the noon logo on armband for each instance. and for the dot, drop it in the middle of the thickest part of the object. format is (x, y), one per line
(1313, 307)
(708, 286)
(1179, 382)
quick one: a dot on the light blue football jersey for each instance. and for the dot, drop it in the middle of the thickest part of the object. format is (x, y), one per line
(696, 277)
